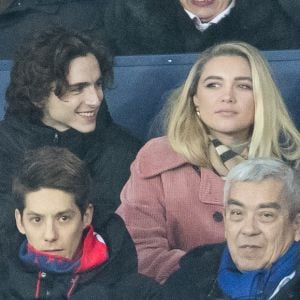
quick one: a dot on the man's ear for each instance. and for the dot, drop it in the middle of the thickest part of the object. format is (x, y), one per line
(19, 222)
(88, 215)
(296, 224)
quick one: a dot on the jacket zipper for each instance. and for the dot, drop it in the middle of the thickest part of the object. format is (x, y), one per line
(38, 285)
(72, 286)
(56, 138)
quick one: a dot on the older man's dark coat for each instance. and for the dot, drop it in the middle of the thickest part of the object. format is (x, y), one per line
(197, 277)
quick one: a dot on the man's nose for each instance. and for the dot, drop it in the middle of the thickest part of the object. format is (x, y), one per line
(50, 233)
(94, 96)
(249, 226)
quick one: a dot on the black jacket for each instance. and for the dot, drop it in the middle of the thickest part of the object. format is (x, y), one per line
(115, 279)
(162, 26)
(25, 18)
(108, 152)
(197, 277)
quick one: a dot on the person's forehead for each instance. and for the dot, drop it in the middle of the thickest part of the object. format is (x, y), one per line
(49, 201)
(237, 63)
(84, 69)
(257, 194)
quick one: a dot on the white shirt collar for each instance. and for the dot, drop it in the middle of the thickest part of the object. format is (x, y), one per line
(202, 26)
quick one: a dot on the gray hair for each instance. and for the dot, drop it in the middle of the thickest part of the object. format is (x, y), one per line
(256, 170)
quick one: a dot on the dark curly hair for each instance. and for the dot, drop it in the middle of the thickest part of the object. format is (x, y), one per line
(44, 63)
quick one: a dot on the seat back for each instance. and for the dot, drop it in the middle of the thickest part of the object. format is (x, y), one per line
(142, 84)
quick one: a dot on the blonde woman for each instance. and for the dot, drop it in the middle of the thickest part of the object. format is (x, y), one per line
(228, 110)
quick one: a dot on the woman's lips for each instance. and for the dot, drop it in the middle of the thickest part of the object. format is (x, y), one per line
(226, 113)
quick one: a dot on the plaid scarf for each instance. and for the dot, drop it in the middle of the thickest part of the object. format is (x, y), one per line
(223, 158)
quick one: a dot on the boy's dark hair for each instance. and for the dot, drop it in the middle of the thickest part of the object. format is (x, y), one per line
(55, 168)
(44, 64)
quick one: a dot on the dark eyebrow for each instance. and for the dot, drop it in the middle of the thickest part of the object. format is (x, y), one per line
(68, 211)
(32, 213)
(213, 77)
(243, 78)
(234, 202)
(78, 85)
(84, 84)
(274, 205)
(220, 78)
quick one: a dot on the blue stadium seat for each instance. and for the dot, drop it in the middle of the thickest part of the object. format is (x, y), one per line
(5, 67)
(142, 84)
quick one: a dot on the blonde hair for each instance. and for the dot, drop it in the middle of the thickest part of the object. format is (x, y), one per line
(274, 133)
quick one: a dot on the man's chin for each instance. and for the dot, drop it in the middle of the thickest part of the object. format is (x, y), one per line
(85, 129)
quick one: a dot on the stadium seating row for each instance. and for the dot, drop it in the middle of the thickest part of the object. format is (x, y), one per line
(142, 84)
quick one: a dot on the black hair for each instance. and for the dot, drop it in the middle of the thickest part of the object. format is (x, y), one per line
(43, 65)
(55, 168)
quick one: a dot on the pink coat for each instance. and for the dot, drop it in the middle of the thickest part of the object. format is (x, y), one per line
(169, 208)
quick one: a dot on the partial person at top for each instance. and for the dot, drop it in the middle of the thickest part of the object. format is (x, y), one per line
(180, 26)
(20, 19)
(56, 98)
(228, 110)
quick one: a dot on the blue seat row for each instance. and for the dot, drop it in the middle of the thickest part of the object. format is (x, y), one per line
(142, 84)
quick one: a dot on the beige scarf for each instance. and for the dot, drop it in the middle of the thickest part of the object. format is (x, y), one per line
(224, 158)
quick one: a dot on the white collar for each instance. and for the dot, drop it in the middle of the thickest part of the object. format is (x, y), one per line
(202, 26)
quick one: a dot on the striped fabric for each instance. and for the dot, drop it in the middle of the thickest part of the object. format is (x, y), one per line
(224, 158)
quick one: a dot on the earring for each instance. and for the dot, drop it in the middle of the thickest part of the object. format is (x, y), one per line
(197, 110)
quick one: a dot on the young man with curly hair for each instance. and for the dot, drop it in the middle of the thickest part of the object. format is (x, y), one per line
(55, 98)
